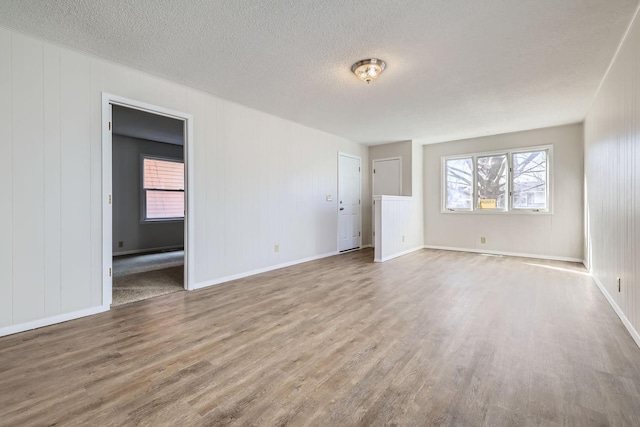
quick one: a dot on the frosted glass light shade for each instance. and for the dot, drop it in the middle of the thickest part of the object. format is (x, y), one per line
(368, 69)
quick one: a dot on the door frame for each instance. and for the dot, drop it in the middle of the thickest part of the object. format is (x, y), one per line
(343, 154)
(373, 168)
(107, 187)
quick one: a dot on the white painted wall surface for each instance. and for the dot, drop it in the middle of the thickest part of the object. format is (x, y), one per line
(392, 227)
(259, 181)
(612, 158)
(557, 235)
(412, 184)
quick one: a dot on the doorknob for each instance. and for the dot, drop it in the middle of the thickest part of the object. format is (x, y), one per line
(341, 209)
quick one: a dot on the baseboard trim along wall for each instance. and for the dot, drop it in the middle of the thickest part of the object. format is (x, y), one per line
(396, 255)
(150, 250)
(261, 270)
(48, 321)
(616, 308)
(517, 254)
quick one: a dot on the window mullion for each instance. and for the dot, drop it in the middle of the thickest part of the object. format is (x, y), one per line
(474, 167)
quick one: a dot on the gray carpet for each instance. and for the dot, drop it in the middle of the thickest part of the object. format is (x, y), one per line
(138, 277)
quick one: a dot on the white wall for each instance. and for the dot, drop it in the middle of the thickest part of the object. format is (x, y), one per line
(392, 226)
(412, 185)
(259, 180)
(612, 158)
(127, 186)
(548, 235)
(416, 217)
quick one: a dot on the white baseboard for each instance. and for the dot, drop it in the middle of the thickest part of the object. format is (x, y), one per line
(150, 250)
(396, 255)
(618, 310)
(518, 254)
(39, 323)
(260, 270)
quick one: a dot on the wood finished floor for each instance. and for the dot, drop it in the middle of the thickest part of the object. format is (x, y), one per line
(431, 338)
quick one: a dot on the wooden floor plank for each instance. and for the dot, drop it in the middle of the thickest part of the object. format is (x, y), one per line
(430, 338)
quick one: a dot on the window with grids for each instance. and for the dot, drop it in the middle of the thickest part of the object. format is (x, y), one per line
(162, 188)
(509, 181)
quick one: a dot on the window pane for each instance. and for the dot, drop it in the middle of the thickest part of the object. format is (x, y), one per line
(530, 180)
(492, 182)
(165, 204)
(163, 174)
(459, 184)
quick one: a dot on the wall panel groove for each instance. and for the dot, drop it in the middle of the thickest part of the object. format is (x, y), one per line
(259, 180)
(612, 158)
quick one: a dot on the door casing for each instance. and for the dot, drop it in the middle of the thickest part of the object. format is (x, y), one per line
(350, 156)
(107, 215)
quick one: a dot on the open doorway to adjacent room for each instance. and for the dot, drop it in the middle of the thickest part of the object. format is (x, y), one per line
(148, 206)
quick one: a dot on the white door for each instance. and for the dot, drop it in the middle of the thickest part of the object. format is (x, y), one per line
(387, 177)
(348, 202)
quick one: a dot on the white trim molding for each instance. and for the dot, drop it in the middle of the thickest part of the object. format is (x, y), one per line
(262, 270)
(337, 206)
(516, 254)
(618, 310)
(149, 250)
(399, 254)
(189, 220)
(48, 321)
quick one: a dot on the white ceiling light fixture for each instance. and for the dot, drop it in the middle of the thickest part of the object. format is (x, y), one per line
(368, 69)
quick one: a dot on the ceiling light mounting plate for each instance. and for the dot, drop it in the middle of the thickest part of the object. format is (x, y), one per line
(368, 69)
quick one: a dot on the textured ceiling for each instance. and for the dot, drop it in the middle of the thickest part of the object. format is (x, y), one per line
(456, 68)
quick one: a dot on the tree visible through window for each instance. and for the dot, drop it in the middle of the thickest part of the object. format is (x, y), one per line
(163, 188)
(530, 180)
(459, 184)
(514, 180)
(492, 182)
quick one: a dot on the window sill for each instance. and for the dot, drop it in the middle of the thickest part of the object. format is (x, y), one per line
(161, 221)
(485, 212)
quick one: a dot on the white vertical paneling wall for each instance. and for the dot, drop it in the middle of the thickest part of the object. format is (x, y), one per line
(6, 182)
(28, 178)
(259, 181)
(558, 235)
(52, 188)
(392, 226)
(612, 158)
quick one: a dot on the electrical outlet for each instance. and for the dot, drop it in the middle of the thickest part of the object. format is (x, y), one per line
(276, 248)
(120, 244)
(483, 240)
(618, 280)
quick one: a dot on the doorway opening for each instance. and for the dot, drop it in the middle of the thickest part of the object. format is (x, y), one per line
(349, 203)
(146, 216)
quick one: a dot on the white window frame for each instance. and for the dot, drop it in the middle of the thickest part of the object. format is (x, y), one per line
(143, 191)
(509, 209)
(444, 191)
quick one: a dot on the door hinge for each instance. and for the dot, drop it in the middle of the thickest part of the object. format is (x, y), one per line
(358, 201)
(358, 168)
(374, 202)
(109, 271)
(109, 125)
(358, 234)
(109, 198)
(374, 171)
